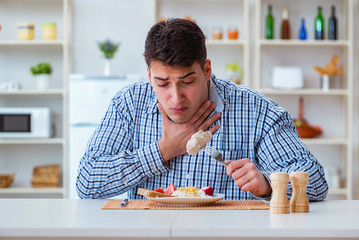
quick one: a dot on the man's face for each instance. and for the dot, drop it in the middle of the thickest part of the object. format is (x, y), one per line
(180, 90)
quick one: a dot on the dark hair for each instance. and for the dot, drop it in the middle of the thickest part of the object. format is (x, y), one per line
(175, 42)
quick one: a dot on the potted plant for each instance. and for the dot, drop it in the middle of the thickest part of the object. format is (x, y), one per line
(108, 48)
(42, 72)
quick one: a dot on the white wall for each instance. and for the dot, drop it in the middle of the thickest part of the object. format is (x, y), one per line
(120, 20)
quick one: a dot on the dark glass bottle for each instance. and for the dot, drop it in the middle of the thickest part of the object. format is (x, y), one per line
(319, 25)
(332, 29)
(302, 31)
(285, 28)
(269, 31)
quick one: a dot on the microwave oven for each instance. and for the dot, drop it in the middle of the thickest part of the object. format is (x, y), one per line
(19, 122)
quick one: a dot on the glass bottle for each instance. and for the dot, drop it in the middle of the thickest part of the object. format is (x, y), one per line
(285, 29)
(302, 31)
(269, 31)
(319, 25)
(332, 30)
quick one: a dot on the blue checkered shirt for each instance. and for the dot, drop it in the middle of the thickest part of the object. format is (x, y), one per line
(123, 155)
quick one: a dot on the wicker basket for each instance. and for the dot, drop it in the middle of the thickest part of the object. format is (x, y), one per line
(47, 176)
(45, 182)
(6, 180)
(46, 170)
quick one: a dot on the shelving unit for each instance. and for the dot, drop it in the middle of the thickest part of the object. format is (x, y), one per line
(357, 96)
(332, 109)
(224, 51)
(16, 57)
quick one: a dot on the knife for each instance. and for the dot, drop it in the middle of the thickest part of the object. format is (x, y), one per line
(124, 203)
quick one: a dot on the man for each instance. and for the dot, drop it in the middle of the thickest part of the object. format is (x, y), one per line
(141, 142)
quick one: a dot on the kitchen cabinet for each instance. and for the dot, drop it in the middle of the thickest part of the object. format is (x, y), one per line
(212, 16)
(331, 109)
(21, 155)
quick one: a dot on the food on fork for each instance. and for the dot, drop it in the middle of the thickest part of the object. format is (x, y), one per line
(198, 141)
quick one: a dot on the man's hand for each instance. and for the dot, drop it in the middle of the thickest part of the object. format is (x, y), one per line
(175, 136)
(247, 177)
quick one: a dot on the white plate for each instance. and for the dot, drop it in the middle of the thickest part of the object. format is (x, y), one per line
(192, 201)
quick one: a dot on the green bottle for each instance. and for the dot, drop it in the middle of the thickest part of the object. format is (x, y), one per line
(319, 25)
(269, 24)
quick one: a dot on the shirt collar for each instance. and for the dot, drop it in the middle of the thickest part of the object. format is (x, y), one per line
(214, 96)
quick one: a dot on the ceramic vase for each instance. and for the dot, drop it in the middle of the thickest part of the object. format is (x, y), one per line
(327, 82)
(43, 81)
(107, 71)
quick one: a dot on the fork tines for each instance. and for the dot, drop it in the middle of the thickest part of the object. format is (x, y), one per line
(209, 150)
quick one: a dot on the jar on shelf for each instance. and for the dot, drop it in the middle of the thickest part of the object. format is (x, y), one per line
(25, 31)
(217, 33)
(233, 33)
(234, 73)
(49, 31)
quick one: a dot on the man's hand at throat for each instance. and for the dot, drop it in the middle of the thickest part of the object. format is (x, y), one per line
(174, 136)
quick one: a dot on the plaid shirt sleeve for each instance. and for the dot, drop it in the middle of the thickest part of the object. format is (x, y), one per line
(281, 149)
(109, 166)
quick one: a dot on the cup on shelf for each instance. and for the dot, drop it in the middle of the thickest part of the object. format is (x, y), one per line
(217, 33)
(233, 33)
(49, 31)
(9, 86)
(25, 31)
(332, 176)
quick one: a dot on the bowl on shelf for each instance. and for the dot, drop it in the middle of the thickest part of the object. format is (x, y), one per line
(6, 180)
(308, 131)
(304, 129)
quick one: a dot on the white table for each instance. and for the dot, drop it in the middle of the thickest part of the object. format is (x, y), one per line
(81, 219)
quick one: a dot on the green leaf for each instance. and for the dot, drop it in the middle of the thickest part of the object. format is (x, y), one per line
(41, 68)
(108, 48)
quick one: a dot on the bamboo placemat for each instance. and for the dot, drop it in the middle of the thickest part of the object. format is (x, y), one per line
(220, 205)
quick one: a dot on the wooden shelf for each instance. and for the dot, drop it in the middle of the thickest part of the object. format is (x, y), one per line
(32, 141)
(319, 92)
(33, 92)
(224, 42)
(32, 42)
(304, 43)
(30, 190)
(325, 141)
(338, 191)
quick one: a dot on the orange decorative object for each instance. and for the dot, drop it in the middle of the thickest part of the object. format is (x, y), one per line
(189, 19)
(304, 129)
(233, 34)
(331, 68)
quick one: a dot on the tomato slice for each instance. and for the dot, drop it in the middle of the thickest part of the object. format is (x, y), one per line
(170, 189)
(159, 190)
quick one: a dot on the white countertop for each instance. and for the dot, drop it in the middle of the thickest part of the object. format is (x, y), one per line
(66, 218)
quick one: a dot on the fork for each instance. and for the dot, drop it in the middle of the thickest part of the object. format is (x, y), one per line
(214, 154)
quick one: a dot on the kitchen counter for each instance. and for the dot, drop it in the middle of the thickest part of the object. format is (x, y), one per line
(83, 219)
